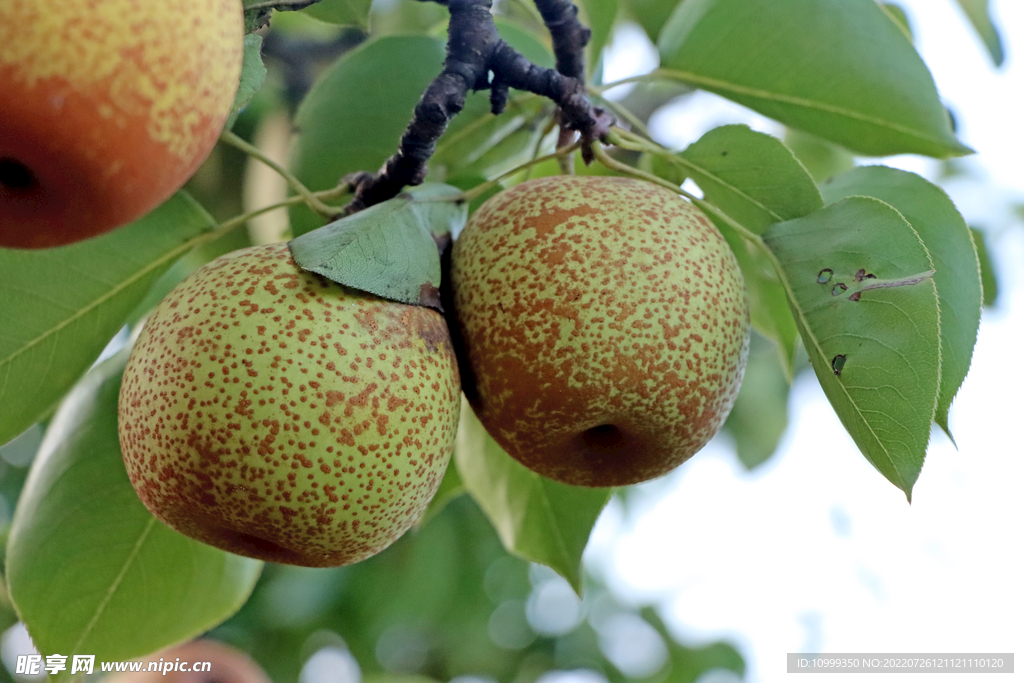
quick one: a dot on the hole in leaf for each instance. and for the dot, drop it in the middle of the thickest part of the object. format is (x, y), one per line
(837, 364)
(838, 289)
(824, 275)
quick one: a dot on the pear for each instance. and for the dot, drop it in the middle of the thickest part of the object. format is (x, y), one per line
(108, 108)
(275, 414)
(604, 323)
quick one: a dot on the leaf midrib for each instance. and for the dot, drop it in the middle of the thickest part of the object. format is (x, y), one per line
(826, 107)
(683, 161)
(96, 303)
(116, 583)
(803, 324)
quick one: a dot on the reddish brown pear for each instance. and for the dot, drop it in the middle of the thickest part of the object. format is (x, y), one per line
(108, 107)
(605, 325)
(273, 413)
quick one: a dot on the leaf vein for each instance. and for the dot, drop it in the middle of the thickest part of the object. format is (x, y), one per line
(116, 583)
(96, 303)
(826, 107)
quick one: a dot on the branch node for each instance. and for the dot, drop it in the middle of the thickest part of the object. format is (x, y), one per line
(499, 96)
(478, 59)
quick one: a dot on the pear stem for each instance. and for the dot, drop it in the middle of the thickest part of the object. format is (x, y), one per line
(617, 138)
(642, 78)
(621, 112)
(307, 195)
(552, 123)
(230, 224)
(472, 193)
(234, 222)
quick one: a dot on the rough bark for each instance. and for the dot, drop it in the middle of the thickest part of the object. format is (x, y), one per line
(477, 59)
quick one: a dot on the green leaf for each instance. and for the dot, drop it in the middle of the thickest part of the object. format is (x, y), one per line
(868, 313)
(599, 17)
(751, 176)
(898, 15)
(226, 242)
(90, 570)
(652, 15)
(526, 42)
(757, 181)
(769, 307)
(689, 664)
(511, 151)
(536, 518)
(387, 677)
(476, 131)
(342, 12)
(989, 283)
(254, 72)
(355, 114)
(822, 159)
(840, 69)
(948, 240)
(60, 307)
(760, 415)
(389, 249)
(977, 12)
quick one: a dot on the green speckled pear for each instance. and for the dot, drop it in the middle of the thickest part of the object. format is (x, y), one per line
(272, 413)
(605, 326)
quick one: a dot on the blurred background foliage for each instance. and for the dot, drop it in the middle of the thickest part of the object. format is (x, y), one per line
(448, 601)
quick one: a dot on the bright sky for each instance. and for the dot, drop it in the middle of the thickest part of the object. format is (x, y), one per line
(817, 552)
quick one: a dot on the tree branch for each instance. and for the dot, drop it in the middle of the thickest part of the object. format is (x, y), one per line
(477, 58)
(568, 36)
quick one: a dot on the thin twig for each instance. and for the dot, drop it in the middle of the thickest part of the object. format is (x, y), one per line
(328, 212)
(241, 219)
(474, 192)
(707, 207)
(623, 113)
